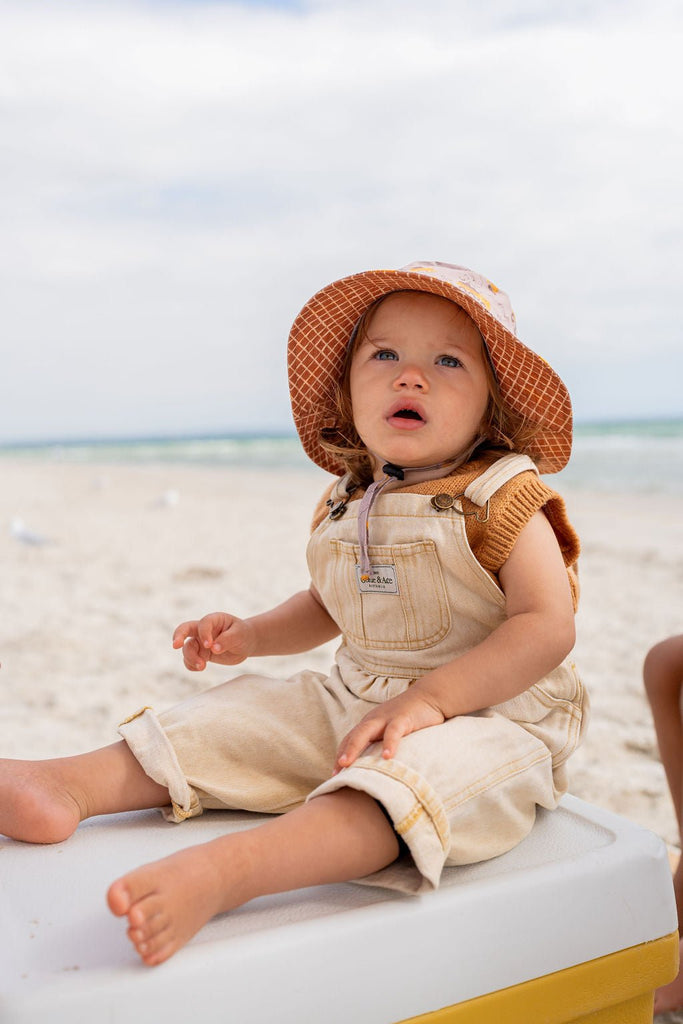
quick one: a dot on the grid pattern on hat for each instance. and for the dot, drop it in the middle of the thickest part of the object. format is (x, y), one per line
(320, 336)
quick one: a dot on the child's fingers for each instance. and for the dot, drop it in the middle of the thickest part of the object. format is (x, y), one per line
(211, 628)
(389, 728)
(182, 632)
(206, 631)
(396, 729)
(193, 656)
(225, 641)
(233, 643)
(367, 732)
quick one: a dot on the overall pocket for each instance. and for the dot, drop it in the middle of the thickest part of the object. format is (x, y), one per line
(402, 607)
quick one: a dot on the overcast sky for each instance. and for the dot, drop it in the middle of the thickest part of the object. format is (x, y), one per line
(177, 178)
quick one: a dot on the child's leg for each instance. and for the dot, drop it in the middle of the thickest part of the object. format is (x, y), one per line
(663, 677)
(333, 838)
(43, 801)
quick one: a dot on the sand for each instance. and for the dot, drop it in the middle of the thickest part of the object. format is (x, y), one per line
(130, 551)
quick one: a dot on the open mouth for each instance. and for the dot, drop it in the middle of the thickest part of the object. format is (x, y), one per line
(408, 414)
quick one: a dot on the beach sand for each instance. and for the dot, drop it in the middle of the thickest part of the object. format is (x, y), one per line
(131, 551)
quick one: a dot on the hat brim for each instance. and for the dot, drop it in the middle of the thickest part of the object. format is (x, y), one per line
(319, 339)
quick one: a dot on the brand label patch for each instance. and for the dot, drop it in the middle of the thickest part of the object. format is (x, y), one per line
(382, 580)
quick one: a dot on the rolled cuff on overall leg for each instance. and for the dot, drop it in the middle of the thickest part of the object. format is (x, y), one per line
(150, 745)
(417, 815)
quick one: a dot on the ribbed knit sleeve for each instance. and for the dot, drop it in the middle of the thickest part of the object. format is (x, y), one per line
(510, 509)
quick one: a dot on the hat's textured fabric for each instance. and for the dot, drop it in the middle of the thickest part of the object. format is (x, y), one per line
(320, 335)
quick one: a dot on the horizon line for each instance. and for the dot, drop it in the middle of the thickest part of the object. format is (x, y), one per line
(269, 435)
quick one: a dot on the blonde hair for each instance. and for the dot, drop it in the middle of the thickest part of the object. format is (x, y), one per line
(502, 429)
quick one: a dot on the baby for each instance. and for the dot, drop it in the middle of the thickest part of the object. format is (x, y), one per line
(445, 565)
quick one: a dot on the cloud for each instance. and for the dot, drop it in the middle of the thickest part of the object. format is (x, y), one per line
(177, 179)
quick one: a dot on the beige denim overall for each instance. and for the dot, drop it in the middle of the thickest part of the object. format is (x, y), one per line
(457, 793)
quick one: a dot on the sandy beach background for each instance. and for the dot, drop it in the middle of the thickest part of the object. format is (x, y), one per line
(131, 550)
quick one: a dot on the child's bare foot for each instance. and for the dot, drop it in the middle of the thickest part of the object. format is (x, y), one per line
(44, 801)
(168, 901)
(332, 838)
(36, 804)
(670, 997)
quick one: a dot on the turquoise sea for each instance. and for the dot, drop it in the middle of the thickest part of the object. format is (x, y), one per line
(637, 456)
(640, 456)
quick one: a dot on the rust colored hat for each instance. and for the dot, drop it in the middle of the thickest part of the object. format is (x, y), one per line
(320, 337)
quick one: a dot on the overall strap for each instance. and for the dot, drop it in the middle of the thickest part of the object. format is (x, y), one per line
(493, 478)
(342, 488)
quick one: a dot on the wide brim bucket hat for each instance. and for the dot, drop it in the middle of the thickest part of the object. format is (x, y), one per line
(320, 336)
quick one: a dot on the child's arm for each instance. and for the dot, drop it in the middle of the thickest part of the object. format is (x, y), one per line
(296, 625)
(663, 678)
(535, 637)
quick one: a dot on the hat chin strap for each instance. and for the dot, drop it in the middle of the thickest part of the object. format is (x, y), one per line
(393, 472)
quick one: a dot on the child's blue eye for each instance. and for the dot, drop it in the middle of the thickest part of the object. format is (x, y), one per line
(385, 353)
(448, 361)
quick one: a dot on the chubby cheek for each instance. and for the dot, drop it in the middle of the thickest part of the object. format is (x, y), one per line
(483, 409)
(364, 428)
(363, 409)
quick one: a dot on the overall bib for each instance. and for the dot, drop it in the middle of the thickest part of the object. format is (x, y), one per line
(459, 792)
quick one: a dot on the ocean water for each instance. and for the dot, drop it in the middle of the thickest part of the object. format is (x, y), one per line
(626, 457)
(257, 452)
(640, 456)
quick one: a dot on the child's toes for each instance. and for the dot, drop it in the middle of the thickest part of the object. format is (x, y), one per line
(158, 948)
(119, 898)
(129, 890)
(148, 914)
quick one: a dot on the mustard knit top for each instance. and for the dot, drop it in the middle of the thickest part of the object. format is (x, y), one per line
(510, 509)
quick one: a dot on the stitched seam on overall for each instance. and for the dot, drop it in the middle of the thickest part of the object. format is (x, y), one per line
(574, 712)
(438, 587)
(403, 556)
(476, 570)
(484, 486)
(576, 698)
(380, 670)
(549, 700)
(480, 575)
(501, 774)
(407, 606)
(431, 808)
(558, 704)
(573, 727)
(573, 732)
(570, 744)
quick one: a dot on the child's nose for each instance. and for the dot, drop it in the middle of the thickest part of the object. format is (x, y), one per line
(411, 376)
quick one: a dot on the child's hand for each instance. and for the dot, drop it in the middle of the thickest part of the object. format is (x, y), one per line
(395, 718)
(218, 637)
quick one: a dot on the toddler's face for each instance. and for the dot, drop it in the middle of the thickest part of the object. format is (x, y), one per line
(418, 381)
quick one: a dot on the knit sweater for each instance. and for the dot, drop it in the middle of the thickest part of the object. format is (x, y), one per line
(510, 509)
